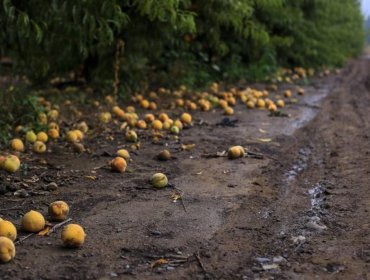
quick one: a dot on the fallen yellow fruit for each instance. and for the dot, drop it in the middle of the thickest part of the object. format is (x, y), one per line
(7, 229)
(53, 133)
(118, 164)
(11, 163)
(123, 153)
(31, 136)
(33, 221)
(186, 118)
(131, 136)
(157, 125)
(42, 136)
(228, 111)
(164, 155)
(236, 152)
(39, 147)
(58, 211)
(7, 249)
(159, 180)
(73, 236)
(83, 127)
(17, 145)
(71, 136)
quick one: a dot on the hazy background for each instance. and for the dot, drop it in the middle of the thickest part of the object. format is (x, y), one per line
(366, 7)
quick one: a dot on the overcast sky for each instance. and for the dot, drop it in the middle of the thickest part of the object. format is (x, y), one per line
(366, 7)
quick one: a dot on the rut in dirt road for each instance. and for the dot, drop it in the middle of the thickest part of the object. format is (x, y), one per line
(317, 225)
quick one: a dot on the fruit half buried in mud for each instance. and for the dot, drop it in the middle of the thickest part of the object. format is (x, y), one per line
(33, 221)
(73, 236)
(58, 211)
(118, 164)
(236, 152)
(159, 180)
(7, 249)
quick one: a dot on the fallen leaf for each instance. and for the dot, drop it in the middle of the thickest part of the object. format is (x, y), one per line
(187, 147)
(158, 263)
(91, 177)
(175, 197)
(262, 130)
(45, 231)
(265, 139)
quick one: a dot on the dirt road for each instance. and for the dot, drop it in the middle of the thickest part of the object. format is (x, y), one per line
(301, 212)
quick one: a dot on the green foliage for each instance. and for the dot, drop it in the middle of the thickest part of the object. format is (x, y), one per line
(190, 40)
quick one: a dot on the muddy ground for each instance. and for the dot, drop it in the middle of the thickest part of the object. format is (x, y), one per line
(301, 212)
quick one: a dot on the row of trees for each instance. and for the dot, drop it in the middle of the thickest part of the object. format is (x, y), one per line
(190, 40)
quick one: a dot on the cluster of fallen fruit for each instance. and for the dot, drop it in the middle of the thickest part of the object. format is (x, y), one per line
(73, 235)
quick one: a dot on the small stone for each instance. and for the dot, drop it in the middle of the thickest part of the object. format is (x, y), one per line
(113, 274)
(22, 193)
(52, 186)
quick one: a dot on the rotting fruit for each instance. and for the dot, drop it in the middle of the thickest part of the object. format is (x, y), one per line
(58, 210)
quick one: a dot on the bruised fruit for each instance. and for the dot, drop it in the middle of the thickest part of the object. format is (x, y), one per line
(17, 145)
(236, 152)
(73, 236)
(131, 136)
(164, 155)
(42, 136)
(118, 164)
(7, 229)
(31, 136)
(7, 249)
(58, 211)
(33, 221)
(11, 164)
(39, 147)
(159, 180)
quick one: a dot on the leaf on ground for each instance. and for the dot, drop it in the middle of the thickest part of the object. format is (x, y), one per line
(90, 177)
(265, 140)
(221, 154)
(158, 262)
(262, 130)
(175, 196)
(45, 231)
(187, 147)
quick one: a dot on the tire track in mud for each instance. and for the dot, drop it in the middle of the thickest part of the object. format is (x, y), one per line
(314, 222)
